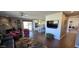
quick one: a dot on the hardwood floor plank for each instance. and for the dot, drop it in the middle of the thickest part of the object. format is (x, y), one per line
(67, 42)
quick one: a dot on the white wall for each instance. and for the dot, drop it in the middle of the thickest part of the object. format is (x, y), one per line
(55, 32)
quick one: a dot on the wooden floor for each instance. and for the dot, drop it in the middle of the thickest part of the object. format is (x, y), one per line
(67, 42)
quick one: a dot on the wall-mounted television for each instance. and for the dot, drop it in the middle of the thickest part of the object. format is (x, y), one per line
(52, 24)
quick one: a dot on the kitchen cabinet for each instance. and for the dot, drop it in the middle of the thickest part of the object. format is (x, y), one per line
(77, 40)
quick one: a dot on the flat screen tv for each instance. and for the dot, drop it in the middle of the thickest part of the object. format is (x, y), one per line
(52, 24)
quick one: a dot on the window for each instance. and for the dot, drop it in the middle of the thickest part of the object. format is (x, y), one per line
(27, 25)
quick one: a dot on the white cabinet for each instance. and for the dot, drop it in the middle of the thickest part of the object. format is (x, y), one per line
(77, 40)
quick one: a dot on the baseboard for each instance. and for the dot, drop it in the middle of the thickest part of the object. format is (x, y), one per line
(63, 36)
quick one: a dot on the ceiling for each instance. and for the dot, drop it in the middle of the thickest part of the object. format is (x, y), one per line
(71, 13)
(27, 14)
(34, 14)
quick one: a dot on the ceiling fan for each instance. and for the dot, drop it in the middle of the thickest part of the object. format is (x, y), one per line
(23, 15)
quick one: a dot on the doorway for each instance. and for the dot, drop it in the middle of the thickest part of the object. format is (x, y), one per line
(28, 29)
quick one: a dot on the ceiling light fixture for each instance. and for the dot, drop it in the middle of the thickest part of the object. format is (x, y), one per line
(22, 14)
(72, 11)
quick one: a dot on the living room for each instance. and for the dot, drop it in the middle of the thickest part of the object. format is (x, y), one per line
(41, 29)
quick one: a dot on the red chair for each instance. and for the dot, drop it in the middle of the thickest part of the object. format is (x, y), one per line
(26, 32)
